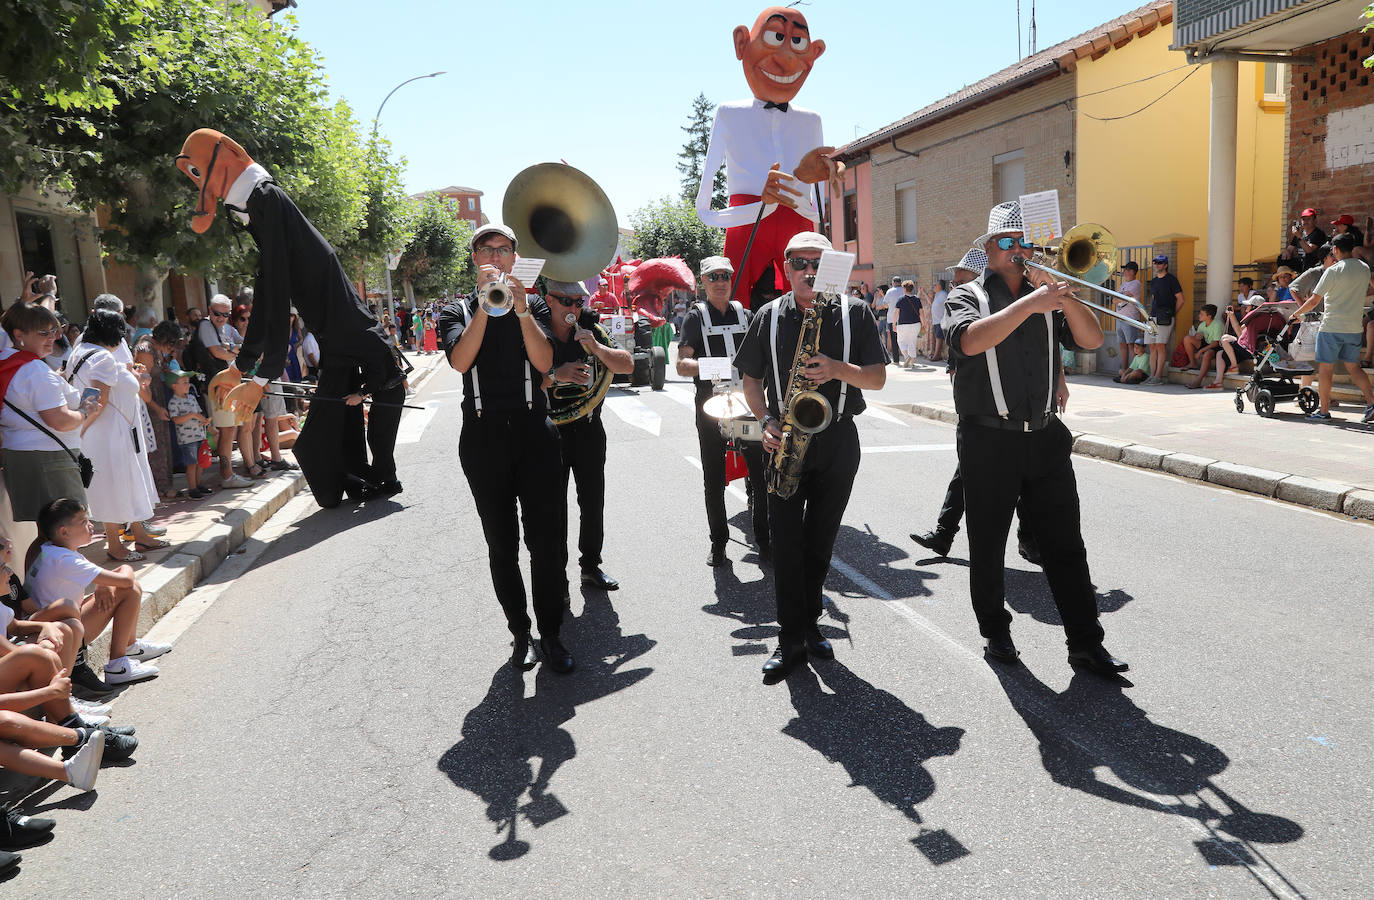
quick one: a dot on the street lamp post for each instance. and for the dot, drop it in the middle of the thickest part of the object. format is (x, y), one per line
(376, 121)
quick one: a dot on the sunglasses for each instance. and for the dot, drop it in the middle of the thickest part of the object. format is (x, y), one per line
(1006, 243)
(720, 276)
(801, 265)
(566, 301)
(218, 315)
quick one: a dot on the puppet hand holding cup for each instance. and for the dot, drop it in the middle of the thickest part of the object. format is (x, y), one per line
(817, 166)
(239, 399)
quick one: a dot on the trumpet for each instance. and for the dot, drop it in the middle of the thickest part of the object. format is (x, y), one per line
(1088, 252)
(496, 297)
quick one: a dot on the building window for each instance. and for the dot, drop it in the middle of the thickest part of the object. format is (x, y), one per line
(906, 212)
(1009, 170)
(851, 216)
(472, 203)
(1274, 73)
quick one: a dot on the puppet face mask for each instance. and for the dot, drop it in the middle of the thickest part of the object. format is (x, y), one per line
(777, 53)
(213, 162)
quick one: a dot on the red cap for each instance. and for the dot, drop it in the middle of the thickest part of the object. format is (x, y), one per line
(1345, 219)
(1308, 212)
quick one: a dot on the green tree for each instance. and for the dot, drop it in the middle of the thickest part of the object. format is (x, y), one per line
(1369, 14)
(693, 154)
(671, 228)
(386, 220)
(437, 259)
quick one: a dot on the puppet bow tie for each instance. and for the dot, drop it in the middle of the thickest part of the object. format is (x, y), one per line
(778, 106)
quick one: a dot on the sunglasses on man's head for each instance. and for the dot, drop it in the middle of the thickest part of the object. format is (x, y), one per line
(1006, 243)
(799, 264)
(718, 276)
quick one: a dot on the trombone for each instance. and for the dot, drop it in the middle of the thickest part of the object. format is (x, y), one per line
(1086, 255)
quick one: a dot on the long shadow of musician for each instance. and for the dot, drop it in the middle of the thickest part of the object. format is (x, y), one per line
(748, 604)
(877, 560)
(882, 743)
(510, 728)
(1028, 592)
(1094, 723)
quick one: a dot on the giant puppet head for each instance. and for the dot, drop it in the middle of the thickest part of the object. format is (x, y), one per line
(213, 161)
(777, 53)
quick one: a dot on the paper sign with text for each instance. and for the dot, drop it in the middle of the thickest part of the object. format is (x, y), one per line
(833, 275)
(1040, 213)
(713, 367)
(527, 269)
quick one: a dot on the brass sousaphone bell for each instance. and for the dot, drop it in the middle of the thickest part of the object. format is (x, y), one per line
(560, 215)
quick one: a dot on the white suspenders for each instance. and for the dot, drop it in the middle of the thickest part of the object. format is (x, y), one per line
(709, 330)
(777, 369)
(994, 374)
(477, 382)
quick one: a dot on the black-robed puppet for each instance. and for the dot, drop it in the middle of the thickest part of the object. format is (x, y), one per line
(297, 267)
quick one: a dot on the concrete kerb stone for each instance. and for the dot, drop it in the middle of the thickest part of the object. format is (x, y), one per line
(1099, 447)
(1358, 504)
(1144, 457)
(1186, 465)
(1245, 478)
(1313, 492)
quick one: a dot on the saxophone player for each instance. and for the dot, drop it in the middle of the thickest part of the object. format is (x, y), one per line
(576, 349)
(847, 361)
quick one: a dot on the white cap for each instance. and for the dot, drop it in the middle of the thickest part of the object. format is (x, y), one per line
(493, 228)
(808, 240)
(716, 264)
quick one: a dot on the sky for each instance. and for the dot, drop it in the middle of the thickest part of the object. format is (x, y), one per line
(606, 86)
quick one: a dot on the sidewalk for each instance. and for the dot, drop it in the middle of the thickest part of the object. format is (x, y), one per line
(204, 532)
(1195, 434)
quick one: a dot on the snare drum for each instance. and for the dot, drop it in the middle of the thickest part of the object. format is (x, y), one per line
(743, 428)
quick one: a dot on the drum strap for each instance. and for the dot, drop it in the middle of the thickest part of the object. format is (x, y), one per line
(727, 332)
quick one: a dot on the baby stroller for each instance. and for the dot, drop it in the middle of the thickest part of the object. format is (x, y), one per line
(1272, 379)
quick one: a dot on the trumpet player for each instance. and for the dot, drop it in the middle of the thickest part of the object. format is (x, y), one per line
(847, 361)
(1004, 333)
(715, 328)
(576, 352)
(508, 446)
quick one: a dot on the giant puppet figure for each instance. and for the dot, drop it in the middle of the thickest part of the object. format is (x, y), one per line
(771, 150)
(297, 267)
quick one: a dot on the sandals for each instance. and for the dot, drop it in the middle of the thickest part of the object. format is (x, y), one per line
(1215, 386)
(281, 465)
(155, 545)
(256, 470)
(132, 556)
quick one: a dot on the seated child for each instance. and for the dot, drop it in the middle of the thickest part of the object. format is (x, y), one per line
(1140, 365)
(1209, 331)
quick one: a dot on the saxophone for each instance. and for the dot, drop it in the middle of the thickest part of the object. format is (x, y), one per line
(804, 410)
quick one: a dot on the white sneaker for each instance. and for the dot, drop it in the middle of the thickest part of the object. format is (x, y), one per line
(89, 721)
(236, 481)
(129, 671)
(145, 650)
(85, 763)
(87, 708)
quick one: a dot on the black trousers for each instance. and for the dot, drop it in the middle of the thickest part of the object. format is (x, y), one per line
(998, 467)
(804, 527)
(335, 439)
(952, 512)
(584, 458)
(512, 460)
(712, 447)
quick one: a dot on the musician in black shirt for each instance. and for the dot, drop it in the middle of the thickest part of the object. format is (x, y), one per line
(848, 361)
(583, 439)
(1004, 334)
(715, 329)
(508, 446)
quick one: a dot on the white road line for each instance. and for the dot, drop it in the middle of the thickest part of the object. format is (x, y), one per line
(633, 411)
(729, 488)
(876, 412)
(908, 448)
(681, 393)
(414, 424)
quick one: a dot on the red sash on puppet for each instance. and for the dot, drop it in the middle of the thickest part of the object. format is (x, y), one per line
(10, 366)
(775, 230)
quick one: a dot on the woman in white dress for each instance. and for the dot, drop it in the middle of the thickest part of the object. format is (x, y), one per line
(122, 490)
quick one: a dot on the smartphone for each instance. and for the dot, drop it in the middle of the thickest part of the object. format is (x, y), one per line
(89, 395)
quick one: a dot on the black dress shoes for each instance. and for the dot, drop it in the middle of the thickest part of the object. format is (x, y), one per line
(599, 580)
(717, 555)
(387, 488)
(817, 645)
(782, 661)
(556, 655)
(936, 541)
(357, 490)
(1001, 649)
(1098, 660)
(522, 654)
(19, 830)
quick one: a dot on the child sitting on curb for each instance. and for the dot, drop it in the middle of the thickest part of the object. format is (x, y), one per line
(190, 424)
(1139, 369)
(63, 583)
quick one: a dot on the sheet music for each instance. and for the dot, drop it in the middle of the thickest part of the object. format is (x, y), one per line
(833, 275)
(709, 367)
(1040, 214)
(527, 269)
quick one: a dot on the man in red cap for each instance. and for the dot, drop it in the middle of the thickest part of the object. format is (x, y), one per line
(1305, 242)
(1345, 224)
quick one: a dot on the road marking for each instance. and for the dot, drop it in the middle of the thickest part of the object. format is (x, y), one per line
(414, 424)
(447, 393)
(684, 395)
(909, 448)
(883, 415)
(729, 488)
(633, 411)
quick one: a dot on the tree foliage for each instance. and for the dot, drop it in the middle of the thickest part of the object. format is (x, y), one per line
(1369, 15)
(693, 154)
(437, 259)
(672, 228)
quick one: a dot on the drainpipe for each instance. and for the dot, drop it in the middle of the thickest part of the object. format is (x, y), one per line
(1221, 182)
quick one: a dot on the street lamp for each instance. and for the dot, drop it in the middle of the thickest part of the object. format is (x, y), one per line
(376, 120)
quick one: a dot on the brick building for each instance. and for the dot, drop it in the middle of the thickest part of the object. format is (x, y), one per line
(467, 202)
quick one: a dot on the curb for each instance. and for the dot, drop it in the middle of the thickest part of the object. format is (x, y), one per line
(1328, 496)
(170, 580)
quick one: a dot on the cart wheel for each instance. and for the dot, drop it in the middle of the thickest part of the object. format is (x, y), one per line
(658, 368)
(1264, 403)
(1240, 400)
(1308, 401)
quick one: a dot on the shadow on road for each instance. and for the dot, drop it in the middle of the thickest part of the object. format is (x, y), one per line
(1094, 724)
(509, 728)
(1028, 592)
(875, 558)
(882, 743)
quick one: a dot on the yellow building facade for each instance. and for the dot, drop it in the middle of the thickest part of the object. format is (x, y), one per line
(1142, 123)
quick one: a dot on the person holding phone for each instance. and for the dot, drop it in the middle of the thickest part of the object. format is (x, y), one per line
(41, 416)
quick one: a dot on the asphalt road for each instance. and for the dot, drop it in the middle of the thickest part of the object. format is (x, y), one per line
(342, 720)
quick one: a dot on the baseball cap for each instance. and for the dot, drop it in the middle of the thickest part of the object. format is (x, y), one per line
(716, 264)
(1344, 219)
(1161, 258)
(175, 375)
(1284, 270)
(492, 228)
(808, 240)
(1308, 212)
